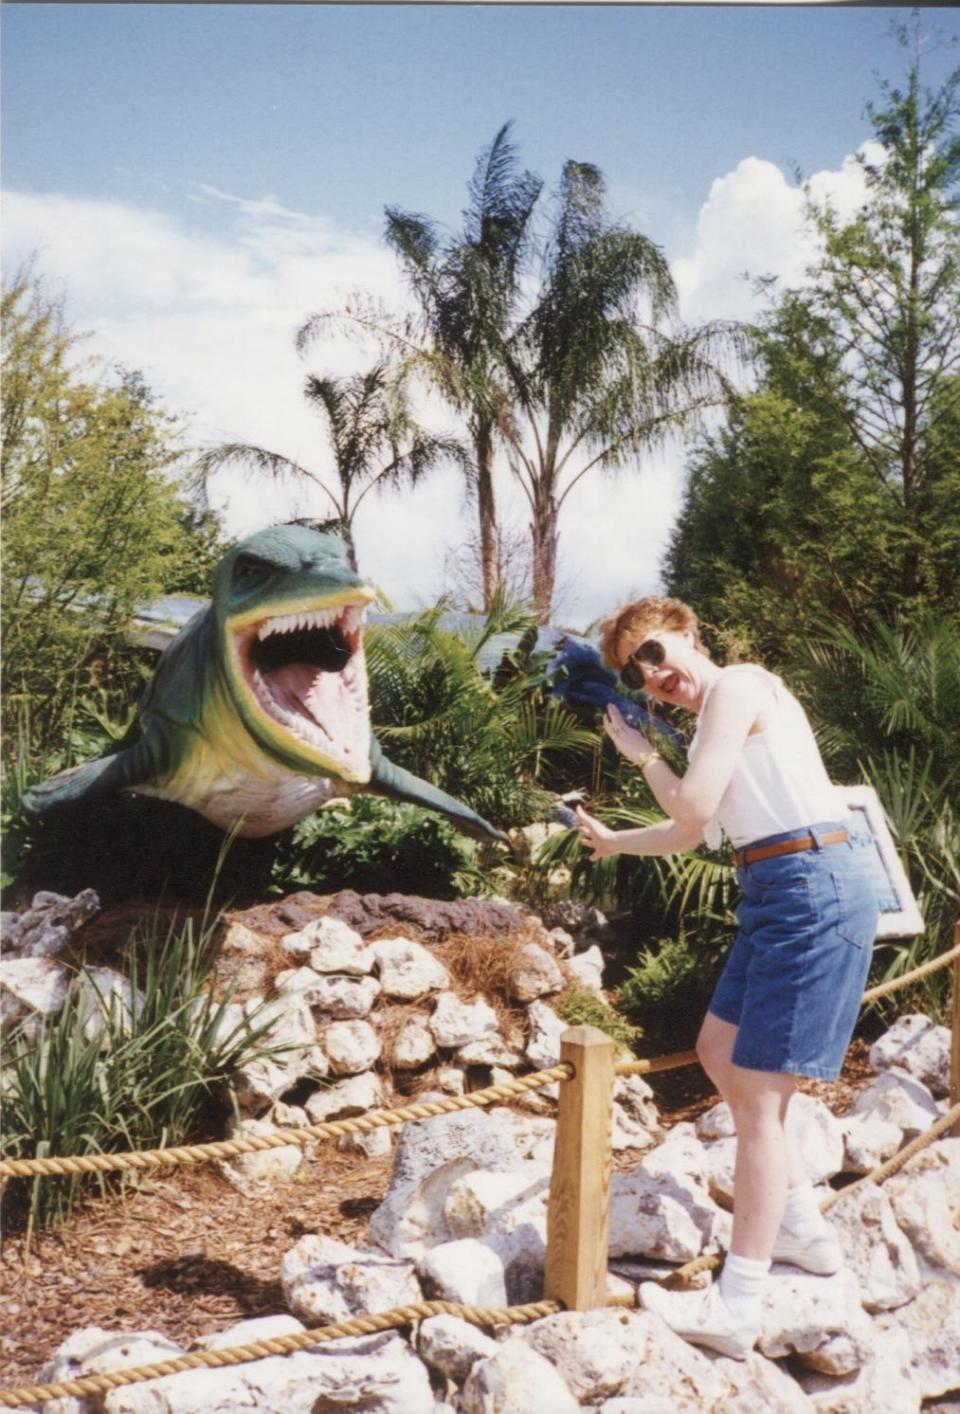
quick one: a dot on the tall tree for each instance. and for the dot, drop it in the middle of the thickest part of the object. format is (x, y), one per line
(373, 436)
(599, 370)
(832, 491)
(95, 519)
(467, 286)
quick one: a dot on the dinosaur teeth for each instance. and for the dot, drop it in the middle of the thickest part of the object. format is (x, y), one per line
(350, 617)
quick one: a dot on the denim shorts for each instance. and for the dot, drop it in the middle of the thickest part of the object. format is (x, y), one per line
(797, 970)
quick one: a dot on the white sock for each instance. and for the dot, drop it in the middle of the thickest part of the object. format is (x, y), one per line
(802, 1216)
(741, 1285)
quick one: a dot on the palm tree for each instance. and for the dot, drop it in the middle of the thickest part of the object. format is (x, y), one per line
(467, 289)
(374, 439)
(598, 370)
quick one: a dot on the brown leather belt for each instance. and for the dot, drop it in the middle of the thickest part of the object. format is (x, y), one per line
(750, 854)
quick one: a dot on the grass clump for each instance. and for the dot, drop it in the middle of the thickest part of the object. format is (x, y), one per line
(112, 1072)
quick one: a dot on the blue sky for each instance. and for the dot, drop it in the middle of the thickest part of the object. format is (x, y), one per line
(199, 177)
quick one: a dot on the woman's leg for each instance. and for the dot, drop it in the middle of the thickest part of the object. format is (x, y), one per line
(715, 1053)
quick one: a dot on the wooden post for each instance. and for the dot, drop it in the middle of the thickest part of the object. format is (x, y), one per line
(955, 1034)
(578, 1215)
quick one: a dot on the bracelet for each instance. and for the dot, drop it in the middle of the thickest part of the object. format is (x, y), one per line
(644, 761)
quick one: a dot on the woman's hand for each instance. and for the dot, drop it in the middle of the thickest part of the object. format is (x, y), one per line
(595, 836)
(628, 741)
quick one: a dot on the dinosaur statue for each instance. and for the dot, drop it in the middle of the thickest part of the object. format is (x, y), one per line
(257, 712)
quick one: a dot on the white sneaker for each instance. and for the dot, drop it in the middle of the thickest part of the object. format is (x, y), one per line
(701, 1317)
(821, 1254)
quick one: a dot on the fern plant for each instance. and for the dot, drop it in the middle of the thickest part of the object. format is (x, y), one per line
(445, 709)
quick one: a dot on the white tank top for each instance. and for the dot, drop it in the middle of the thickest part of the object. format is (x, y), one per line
(779, 782)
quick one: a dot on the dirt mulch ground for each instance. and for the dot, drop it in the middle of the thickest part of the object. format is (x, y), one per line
(187, 1254)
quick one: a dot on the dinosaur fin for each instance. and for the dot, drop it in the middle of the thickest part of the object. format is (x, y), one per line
(82, 785)
(391, 780)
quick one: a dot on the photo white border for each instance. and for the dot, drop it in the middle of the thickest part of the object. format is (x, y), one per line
(906, 921)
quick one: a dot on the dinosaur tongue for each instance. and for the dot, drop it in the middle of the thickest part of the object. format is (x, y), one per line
(324, 702)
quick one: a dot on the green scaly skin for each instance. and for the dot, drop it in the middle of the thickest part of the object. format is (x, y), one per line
(257, 712)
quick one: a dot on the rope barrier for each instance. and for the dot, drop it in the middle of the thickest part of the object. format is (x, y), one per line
(281, 1138)
(277, 1345)
(399, 1316)
(897, 982)
(375, 1119)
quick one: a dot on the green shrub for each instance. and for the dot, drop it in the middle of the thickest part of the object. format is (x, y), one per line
(145, 1081)
(580, 1007)
(668, 992)
(378, 846)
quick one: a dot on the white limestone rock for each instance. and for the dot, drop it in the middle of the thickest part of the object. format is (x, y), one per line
(562, 942)
(897, 1098)
(721, 1157)
(408, 970)
(104, 993)
(325, 1281)
(819, 1319)
(608, 1354)
(332, 946)
(431, 1155)
(680, 1156)
(915, 1044)
(451, 1079)
(31, 986)
(490, 1051)
(759, 1386)
(534, 1135)
(452, 1346)
(868, 1142)
(635, 1121)
(93, 1350)
(289, 1023)
(546, 1028)
(467, 1270)
(817, 1137)
(587, 969)
(376, 1374)
(537, 975)
(509, 1212)
(455, 1023)
(337, 997)
(875, 1248)
(351, 1047)
(267, 1165)
(662, 1218)
(352, 1096)
(716, 1123)
(413, 1045)
(927, 1207)
(931, 1323)
(377, 1144)
(882, 1385)
(506, 1382)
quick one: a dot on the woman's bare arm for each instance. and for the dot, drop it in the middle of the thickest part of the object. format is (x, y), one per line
(665, 837)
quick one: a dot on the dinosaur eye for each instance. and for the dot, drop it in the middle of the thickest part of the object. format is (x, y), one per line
(248, 572)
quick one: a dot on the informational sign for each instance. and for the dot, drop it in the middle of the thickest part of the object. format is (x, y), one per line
(870, 834)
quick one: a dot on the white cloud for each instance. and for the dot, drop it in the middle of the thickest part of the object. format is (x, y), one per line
(752, 223)
(209, 319)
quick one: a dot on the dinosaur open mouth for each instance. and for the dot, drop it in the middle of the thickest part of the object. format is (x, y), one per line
(308, 674)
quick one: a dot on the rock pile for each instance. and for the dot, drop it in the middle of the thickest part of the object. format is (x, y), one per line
(464, 1217)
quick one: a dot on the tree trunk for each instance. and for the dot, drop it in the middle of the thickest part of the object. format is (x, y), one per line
(544, 531)
(487, 511)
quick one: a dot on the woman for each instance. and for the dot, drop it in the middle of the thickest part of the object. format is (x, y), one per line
(788, 997)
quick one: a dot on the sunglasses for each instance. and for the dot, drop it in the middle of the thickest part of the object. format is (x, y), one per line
(651, 652)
